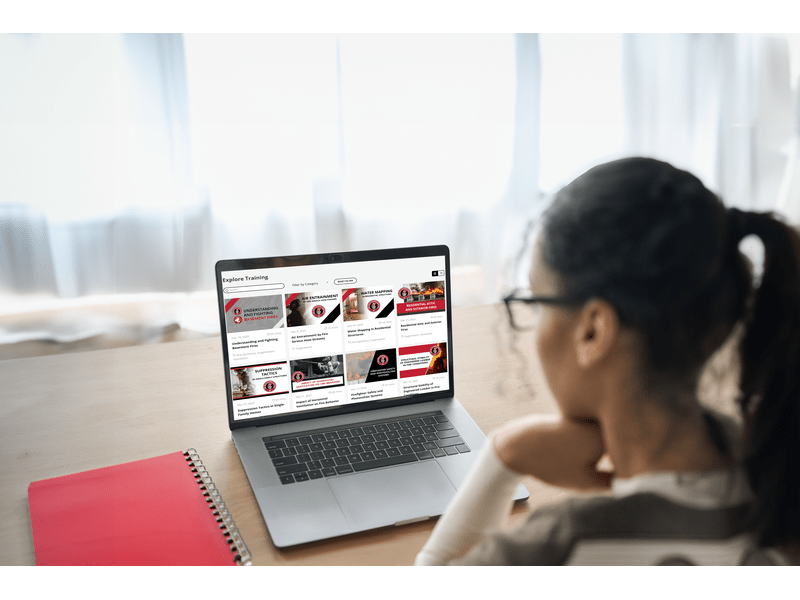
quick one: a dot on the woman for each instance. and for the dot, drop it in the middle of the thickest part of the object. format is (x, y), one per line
(638, 279)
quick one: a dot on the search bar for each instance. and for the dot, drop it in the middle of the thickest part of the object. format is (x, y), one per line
(254, 288)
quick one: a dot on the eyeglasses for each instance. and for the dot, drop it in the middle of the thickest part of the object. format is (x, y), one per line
(524, 310)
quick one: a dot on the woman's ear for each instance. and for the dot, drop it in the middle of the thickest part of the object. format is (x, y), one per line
(596, 332)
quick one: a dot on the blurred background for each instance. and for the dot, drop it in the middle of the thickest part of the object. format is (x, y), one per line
(130, 163)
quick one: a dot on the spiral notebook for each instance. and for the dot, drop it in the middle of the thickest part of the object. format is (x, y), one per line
(157, 511)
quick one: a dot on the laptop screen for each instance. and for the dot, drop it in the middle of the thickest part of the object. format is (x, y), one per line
(322, 334)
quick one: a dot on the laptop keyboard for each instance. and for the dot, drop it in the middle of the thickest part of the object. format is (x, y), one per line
(333, 451)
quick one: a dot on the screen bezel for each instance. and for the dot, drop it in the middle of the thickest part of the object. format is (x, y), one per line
(324, 259)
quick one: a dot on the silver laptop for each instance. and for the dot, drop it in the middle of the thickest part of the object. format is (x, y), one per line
(339, 377)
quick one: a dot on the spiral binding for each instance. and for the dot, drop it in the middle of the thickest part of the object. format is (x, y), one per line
(216, 504)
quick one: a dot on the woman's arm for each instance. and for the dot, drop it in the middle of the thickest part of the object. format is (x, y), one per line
(481, 505)
(555, 451)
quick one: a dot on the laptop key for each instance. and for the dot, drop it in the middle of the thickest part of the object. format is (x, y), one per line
(341, 470)
(301, 476)
(328, 462)
(367, 456)
(289, 469)
(406, 450)
(384, 462)
(303, 458)
(286, 460)
(287, 479)
(438, 452)
(424, 455)
(292, 442)
(417, 447)
(318, 437)
(316, 474)
(354, 458)
(329, 472)
(275, 453)
(443, 426)
(315, 464)
(275, 444)
(451, 450)
(441, 419)
(447, 433)
(463, 449)
(453, 441)
(305, 439)
(341, 460)
(380, 454)
(393, 452)
(429, 420)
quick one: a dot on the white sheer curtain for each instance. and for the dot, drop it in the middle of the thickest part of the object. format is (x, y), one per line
(132, 162)
(582, 112)
(323, 142)
(718, 105)
(97, 204)
(96, 176)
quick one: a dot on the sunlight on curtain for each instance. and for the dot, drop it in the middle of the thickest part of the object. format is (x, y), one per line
(97, 199)
(789, 192)
(582, 117)
(264, 124)
(94, 129)
(428, 122)
(96, 172)
(718, 105)
(132, 162)
(403, 123)
(322, 142)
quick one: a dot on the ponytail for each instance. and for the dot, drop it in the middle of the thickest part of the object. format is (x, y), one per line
(770, 380)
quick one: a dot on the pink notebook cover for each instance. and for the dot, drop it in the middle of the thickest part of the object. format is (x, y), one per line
(146, 512)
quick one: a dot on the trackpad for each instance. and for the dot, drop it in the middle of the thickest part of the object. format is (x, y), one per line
(387, 496)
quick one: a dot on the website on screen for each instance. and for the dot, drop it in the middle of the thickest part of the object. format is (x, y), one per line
(319, 336)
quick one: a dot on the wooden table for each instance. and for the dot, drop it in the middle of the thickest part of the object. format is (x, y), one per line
(69, 413)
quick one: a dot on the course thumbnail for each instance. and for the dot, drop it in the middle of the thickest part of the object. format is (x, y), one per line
(360, 304)
(426, 296)
(319, 372)
(250, 314)
(259, 380)
(312, 308)
(425, 359)
(371, 366)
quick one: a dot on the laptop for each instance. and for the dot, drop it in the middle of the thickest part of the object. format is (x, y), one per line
(339, 380)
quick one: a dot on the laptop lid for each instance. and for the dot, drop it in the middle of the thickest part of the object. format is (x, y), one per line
(322, 334)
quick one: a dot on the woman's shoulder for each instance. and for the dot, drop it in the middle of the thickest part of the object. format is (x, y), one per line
(642, 528)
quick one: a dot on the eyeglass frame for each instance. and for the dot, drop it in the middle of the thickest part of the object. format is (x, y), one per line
(555, 300)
